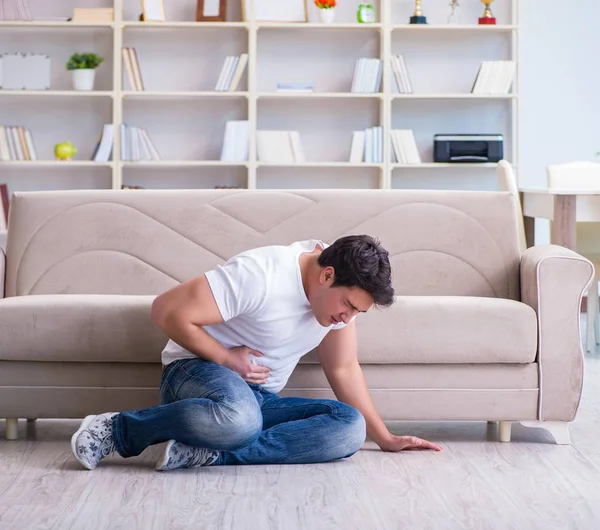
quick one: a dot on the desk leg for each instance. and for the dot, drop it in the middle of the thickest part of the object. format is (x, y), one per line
(563, 226)
(529, 223)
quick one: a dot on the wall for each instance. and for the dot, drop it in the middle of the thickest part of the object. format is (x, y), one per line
(560, 87)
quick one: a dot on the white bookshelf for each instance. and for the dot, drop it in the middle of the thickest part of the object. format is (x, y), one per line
(180, 61)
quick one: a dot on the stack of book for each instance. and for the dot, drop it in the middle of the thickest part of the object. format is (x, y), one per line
(16, 143)
(132, 67)
(401, 75)
(296, 88)
(15, 10)
(231, 73)
(405, 147)
(279, 147)
(93, 14)
(236, 141)
(136, 145)
(367, 75)
(367, 146)
(103, 148)
(494, 77)
(4, 205)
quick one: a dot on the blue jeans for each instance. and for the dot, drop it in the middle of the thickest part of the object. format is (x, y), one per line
(208, 405)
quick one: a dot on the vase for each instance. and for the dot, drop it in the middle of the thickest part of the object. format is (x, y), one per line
(327, 15)
(83, 79)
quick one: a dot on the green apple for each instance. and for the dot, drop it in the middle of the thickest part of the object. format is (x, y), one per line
(64, 150)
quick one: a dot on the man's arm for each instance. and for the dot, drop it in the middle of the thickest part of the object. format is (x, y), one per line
(182, 311)
(338, 355)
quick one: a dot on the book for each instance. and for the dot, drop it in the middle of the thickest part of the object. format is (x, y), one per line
(367, 76)
(279, 147)
(4, 205)
(494, 78)
(236, 141)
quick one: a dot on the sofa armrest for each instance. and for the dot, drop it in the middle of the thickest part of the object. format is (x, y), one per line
(2, 272)
(553, 281)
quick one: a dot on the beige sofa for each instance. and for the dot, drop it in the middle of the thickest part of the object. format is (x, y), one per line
(478, 332)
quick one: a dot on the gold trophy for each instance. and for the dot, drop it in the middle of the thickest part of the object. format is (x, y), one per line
(418, 17)
(487, 18)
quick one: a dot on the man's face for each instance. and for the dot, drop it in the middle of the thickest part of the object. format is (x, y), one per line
(338, 304)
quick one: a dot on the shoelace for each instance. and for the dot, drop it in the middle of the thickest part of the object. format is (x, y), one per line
(107, 446)
(199, 457)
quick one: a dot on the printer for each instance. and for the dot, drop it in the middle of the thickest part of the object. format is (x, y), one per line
(465, 148)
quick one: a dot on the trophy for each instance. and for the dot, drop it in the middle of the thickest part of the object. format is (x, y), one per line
(487, 18)
(418, 17)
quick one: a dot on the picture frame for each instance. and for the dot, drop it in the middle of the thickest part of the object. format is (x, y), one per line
(276, 11)
(153, 11)
(211, 11)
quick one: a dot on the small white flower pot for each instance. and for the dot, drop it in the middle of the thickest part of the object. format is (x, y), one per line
(327, 16)
(83, 79)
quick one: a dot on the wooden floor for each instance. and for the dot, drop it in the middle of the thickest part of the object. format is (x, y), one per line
(476, 483)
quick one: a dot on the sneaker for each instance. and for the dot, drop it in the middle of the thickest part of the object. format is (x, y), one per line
(178, 456)
(93, 441)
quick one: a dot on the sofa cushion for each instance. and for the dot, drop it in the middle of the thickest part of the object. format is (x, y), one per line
(447, 329)
(415, 330)
(85, 328)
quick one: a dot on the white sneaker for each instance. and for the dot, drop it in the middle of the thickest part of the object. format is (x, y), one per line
(178, 456)
(93, 441)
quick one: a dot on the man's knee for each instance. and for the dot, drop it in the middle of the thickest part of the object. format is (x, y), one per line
(350, 433)
(230, 425)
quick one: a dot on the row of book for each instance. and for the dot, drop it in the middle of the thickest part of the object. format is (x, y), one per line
(136, 145)
(367, 146)
(132, 68)
(367, 76)
(231, 73)
(236, 141)
(279, 147)
(403, 82)
(4, 205)
(16, 143)
(494, 77)
(15, 10)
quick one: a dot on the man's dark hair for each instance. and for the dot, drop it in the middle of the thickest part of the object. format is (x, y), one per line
(361, 261)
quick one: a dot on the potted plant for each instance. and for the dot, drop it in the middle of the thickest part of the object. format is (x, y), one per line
(326, 10)
(84, 67)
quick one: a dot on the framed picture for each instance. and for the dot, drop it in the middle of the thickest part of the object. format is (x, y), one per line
(153, 11)
(275, 10)
(211, 11)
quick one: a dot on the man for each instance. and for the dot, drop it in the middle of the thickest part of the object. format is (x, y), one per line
(236, 334)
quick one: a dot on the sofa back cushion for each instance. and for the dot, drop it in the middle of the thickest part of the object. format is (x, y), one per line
(146, 241)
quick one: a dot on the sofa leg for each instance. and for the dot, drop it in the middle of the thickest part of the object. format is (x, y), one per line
(504, 427)
(12, 428)
(558, 429)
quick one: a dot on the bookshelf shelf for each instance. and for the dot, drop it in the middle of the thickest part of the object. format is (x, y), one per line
(317, 95)
(148, 94)
(183, 24)
(55, 164)
(321, 164)
(316, 26)
(57, 93)
(180, 61)
(449, 28)
(184, 163)
(453, 96)
(440, 165)
(54, 24)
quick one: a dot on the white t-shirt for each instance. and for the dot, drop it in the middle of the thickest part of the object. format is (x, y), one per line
(263, 304)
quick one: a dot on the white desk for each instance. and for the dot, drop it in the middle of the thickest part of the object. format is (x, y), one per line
(564, 207)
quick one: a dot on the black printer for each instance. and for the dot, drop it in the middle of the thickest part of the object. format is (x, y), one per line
(468, 148)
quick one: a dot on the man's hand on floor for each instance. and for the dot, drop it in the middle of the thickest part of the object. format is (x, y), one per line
(403, 443)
